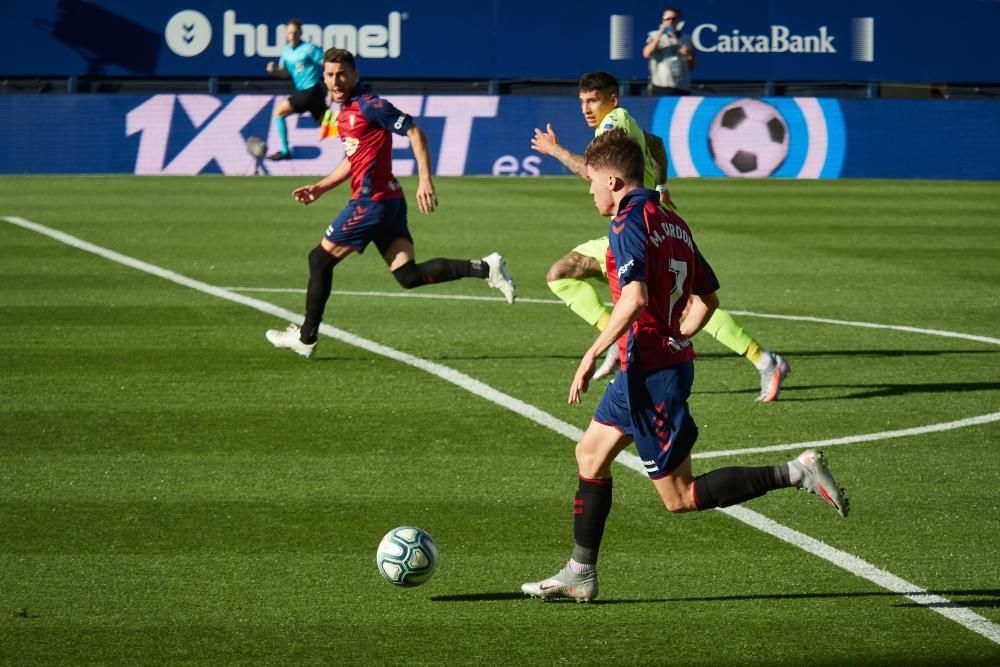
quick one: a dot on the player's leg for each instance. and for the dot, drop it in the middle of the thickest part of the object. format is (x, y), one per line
(567, 279)
(322, 259)
(682, 492)
(316, 102)
(303, 340)
(399, 255)
(665, 434)
(350, 231)
(723, 487)
(603, 440)
(396, 245)
(772, 367)
(282, 109)
(595, 452)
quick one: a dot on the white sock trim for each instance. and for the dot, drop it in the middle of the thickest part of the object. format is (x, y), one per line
(794, 474)
(766, 358)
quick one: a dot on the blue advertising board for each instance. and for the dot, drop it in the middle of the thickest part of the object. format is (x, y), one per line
(734, 40)
(482, 134)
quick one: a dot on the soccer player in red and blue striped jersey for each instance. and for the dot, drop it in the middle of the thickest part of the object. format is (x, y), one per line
(376, 212)
(655, 269)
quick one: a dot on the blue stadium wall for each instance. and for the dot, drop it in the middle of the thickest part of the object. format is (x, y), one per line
(735, 40)
(813, 137)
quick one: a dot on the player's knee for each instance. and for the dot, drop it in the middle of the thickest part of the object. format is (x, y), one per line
(283, 108)
(590, 463)
(574, 266)
(320, 260)
(408, 275)
(556, 272)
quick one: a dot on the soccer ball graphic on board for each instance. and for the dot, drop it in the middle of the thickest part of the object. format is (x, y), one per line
(748, 138)
(406, 556)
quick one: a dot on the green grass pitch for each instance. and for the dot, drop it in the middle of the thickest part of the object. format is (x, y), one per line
(174, 490)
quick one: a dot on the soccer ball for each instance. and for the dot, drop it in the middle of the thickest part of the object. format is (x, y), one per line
(748, 138)
(406, 556)
(256, 147)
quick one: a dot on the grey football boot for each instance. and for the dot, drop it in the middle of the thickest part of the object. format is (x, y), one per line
(772, 377)
(817, 479)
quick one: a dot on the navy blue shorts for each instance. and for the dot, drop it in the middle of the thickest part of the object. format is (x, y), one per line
(365, 221)
(651, 407)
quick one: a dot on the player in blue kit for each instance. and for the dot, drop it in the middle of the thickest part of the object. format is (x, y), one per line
(654, 269)
(303, 62)
(376, 212)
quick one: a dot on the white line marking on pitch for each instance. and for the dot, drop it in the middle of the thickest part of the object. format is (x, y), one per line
(861, 568)
(851, 439)
(794, 318)
(391, 295)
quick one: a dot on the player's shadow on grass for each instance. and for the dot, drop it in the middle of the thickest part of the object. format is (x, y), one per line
(882, 390)
(478, 597)
(792, 355)
(875, 390)
(991, 598)
(991, 595)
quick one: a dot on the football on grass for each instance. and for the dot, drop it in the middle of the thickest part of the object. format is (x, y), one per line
(748, 138)
(406, 556)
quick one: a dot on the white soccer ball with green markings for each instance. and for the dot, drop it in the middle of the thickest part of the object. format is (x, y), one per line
(406, 556)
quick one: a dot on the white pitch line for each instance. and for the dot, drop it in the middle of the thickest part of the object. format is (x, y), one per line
(861, 568)
(851, 439)
(873, 325)
(846, 561)
(748, 313)
(391, 295)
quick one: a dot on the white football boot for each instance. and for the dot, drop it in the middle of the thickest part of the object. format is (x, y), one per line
(566, 584)
(499, 278)
(289, 338)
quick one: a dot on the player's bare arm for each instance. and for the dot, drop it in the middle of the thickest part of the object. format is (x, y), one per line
(631, 303)
(547, 143)
(426, 197)
(307, 194)
(698, 312)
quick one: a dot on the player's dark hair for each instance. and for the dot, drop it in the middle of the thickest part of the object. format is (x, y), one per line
(342, 56)
(295, 22)
(615, 151)
(602, 82)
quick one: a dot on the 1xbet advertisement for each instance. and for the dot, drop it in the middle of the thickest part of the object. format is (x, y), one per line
(794, 137)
